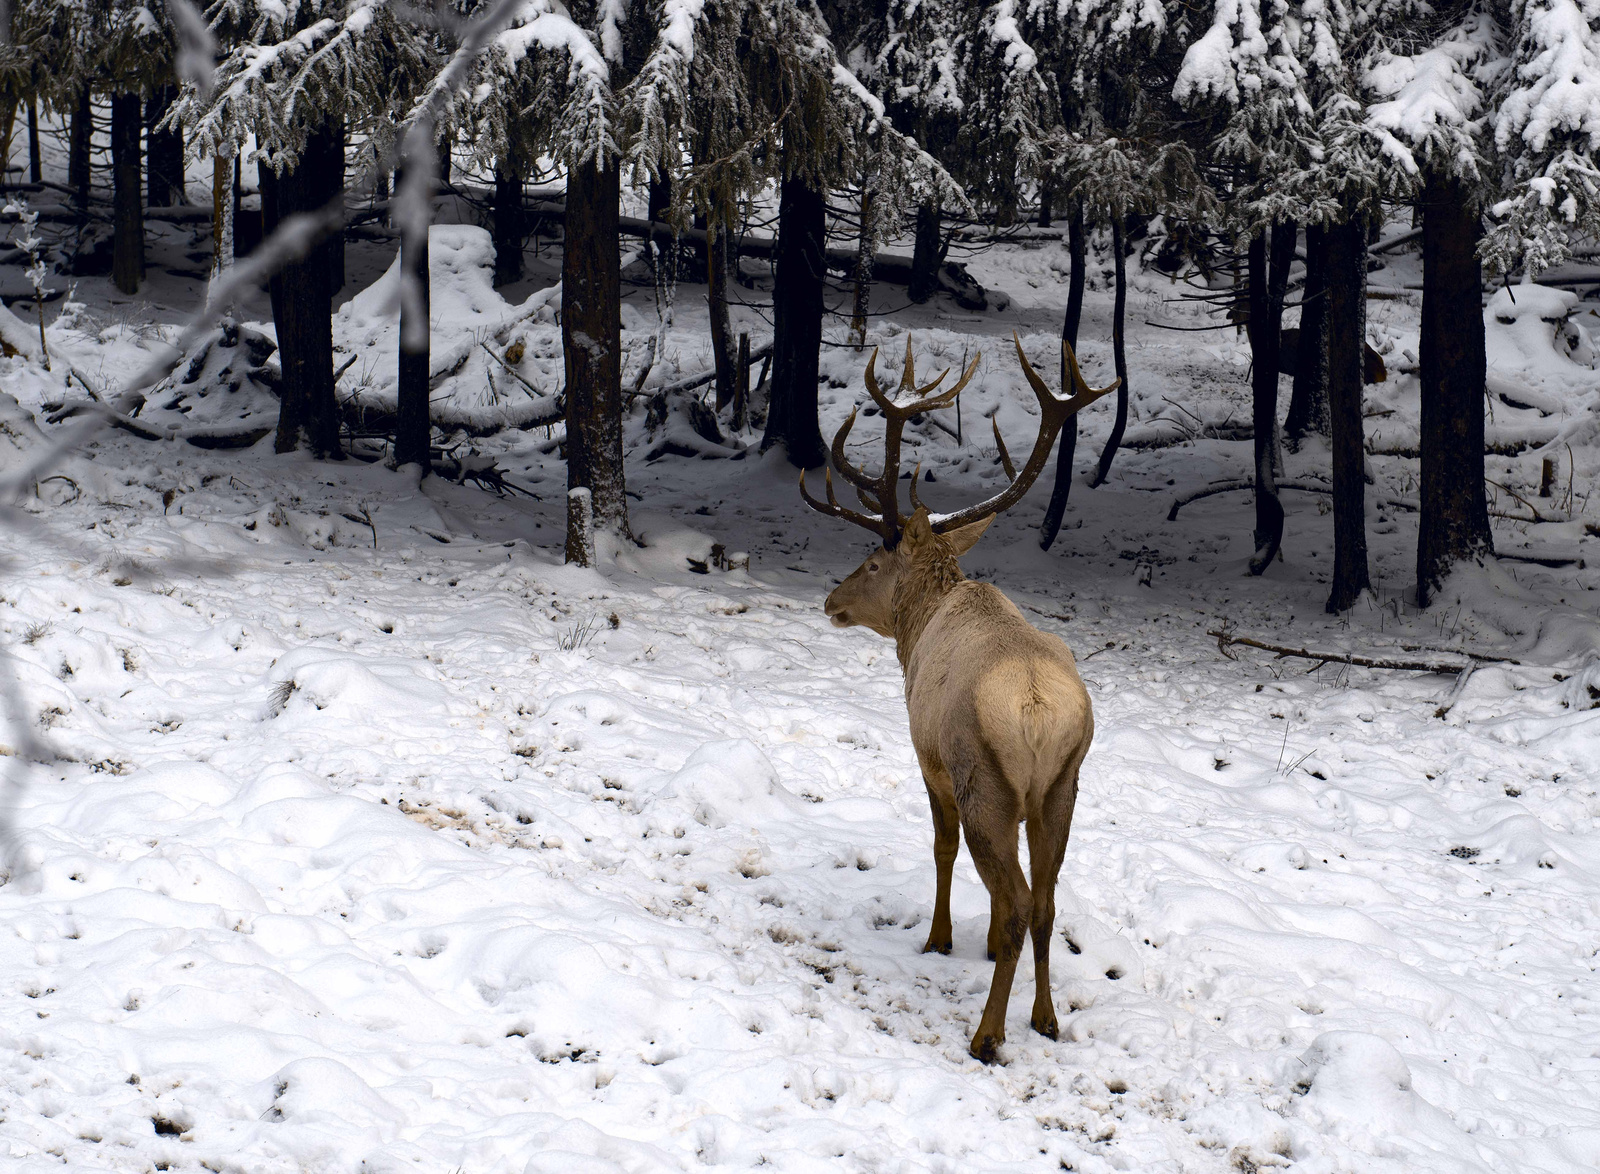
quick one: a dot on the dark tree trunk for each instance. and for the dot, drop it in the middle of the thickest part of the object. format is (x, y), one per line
(719, 252)
(591, 335)
(35, 163)
(163, 152)
(1308, 403)
(926, 254)
(302, 312)
(509, 232)
(1347, 291)
(127, 249)
(1269, 271)
(413, 425)
(79, 139)
(797, 325)
(1046, 196)
(1118, 307)
(1455, 510)
(331, 165)
(1078, 249)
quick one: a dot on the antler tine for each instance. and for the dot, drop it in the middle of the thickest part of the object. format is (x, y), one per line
(854, 474)
(908, 373)
(1054, 412)
(1084, 394)
(916, 503)
(833, 509)
(1000, 443)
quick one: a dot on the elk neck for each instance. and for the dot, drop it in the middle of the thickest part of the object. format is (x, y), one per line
(931, 572)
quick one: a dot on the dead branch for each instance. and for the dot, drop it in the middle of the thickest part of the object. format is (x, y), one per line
(1226, 640)
(1233, 486)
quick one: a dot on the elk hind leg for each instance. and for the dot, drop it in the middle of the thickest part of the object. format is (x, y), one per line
(946, 842)
(991, 827)
(1048, 827)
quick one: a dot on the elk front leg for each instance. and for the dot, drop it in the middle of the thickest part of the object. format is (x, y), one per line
(946, 842)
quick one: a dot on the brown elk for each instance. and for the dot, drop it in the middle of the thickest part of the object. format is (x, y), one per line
(999, 718)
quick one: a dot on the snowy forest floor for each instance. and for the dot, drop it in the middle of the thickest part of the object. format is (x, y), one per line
(370, 837)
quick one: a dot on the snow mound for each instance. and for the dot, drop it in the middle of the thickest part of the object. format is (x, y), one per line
(471, 389)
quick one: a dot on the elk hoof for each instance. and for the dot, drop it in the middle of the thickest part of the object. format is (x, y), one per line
(1046, 1025)
(986, 1048)
(937, 947)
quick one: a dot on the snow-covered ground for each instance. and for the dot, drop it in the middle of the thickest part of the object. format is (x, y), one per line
(367, 836)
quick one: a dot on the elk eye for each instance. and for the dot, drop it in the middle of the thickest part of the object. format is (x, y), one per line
(872, 566)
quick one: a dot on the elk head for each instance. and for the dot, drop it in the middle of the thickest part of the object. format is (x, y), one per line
(867, 596)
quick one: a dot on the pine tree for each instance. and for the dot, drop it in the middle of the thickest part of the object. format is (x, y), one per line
(1544, 104)
(297, 78)
(1432, 122)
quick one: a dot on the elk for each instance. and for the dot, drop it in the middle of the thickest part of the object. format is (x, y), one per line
(999, 717)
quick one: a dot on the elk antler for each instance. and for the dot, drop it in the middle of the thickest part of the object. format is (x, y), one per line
(880, 494)
(1054, 412)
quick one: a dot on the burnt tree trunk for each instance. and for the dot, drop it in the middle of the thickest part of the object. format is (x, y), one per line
(79, 139)
(1347, 290)
(302, 312)
(797, 325)
(509, 231)
(163, 152)
(1119, 307)
(1270, 254)
(127, 224)
(719, 254)
(926, 255)
(1454, 522)
(1078, 249)
(413, 426)
(1308, 403)
(591, 336)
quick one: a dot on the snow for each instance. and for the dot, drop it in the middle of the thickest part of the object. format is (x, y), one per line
(405, 846)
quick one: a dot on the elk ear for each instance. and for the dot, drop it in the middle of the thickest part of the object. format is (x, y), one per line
(966, 537)
(917, 531)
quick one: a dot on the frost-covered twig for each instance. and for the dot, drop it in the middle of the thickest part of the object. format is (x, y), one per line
(31, 243)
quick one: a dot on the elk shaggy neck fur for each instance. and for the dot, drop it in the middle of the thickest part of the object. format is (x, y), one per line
(931, 573)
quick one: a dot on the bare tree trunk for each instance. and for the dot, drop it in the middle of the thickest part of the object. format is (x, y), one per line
(861, 279)
(79, 139)
(221, 215)
(1118, 308)
(35, 163)
(1347, 282)
(1270, 253)
(926, 254)
(591, 335)
(1308, 404)
(163, 151)
(797, 325)
(1078, 249)
(1454, 522)
(413, 426)
(127, 251)
(1047, 195)
(302, 312)
(508, 221)
(719, 255)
